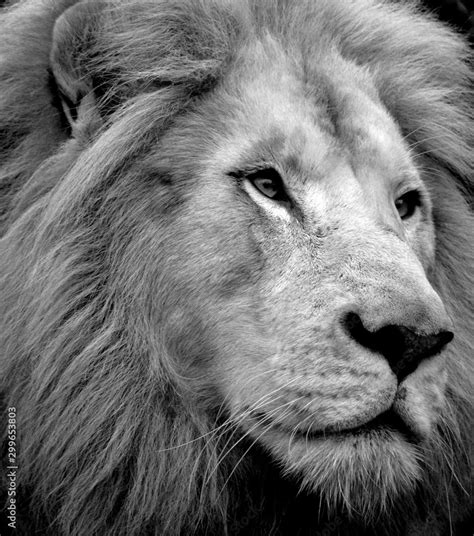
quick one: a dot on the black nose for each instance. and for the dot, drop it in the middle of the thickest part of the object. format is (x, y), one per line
(402, 347)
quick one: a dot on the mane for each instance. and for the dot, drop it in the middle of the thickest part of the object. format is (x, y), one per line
(119, 442)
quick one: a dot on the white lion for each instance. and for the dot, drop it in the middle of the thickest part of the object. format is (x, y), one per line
(237, 245)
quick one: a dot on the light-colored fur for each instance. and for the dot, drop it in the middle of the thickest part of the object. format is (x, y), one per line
(169, 336)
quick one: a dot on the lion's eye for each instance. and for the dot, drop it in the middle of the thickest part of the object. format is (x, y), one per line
(407, 204)
(269, 183)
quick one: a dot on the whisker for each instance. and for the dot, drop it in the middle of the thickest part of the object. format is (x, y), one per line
(268, 427)
(236, 420)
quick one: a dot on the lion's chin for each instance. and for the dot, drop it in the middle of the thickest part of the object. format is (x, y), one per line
(364, 471)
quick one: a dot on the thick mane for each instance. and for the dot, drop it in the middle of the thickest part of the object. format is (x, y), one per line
(113, 438)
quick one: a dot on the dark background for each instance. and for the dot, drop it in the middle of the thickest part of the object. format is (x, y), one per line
(459, 13)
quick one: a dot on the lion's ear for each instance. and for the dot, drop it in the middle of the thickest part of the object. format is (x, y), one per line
(73, 77)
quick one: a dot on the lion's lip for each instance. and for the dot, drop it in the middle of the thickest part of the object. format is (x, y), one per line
(387, 422)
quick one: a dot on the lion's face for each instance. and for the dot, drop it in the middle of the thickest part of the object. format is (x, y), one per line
(309, 243)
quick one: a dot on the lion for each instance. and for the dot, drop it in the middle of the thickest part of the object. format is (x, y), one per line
(236, 268)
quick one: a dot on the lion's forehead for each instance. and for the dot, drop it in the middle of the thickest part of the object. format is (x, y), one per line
(310, 119)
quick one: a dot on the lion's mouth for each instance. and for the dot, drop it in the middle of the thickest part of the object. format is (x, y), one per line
(384, 424)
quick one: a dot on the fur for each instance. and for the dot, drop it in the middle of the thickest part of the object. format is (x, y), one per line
(117, 436)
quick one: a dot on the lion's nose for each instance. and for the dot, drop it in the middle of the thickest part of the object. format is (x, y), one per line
(402, 347)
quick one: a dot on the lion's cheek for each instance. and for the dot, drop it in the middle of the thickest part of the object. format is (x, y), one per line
(303, 394)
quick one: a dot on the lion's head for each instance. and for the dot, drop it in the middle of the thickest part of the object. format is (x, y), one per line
(236, 251)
